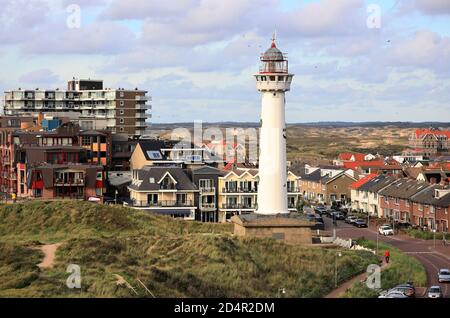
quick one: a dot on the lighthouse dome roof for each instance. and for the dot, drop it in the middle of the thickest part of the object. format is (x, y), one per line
(273, 54)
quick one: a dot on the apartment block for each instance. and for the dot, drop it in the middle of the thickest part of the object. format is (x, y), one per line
(86, 102)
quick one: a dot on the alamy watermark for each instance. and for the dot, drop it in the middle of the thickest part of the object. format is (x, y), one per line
(74, 280)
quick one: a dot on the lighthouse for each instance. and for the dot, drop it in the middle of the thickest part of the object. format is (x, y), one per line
(273, 81)
(272, 218)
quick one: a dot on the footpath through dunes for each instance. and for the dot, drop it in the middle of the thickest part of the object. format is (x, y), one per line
(156, 256)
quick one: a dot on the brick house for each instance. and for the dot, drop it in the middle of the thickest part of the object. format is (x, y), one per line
(394, 200)
(430, 208)
(63, 181)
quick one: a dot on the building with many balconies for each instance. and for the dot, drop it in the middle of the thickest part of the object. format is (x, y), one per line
(86, 102)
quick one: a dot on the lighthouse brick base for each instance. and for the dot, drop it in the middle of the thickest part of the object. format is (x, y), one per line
(290, 228)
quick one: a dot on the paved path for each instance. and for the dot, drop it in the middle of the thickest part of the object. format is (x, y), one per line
(424, 251)
(343, 288)
(49, 255)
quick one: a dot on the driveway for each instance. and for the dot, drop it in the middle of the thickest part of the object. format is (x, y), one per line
(424, 251)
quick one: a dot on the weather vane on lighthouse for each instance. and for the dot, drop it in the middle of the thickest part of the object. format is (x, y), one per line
(273, 81)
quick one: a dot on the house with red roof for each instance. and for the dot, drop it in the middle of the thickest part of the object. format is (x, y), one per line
(428, 142)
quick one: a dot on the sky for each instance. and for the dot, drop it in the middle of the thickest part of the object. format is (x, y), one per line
(353, 60)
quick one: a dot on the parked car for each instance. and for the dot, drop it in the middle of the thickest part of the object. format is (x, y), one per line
(360, 223)
(311, 216)
(408, 289)
(444, 275)
(339, 215)
(320, 210)
(392, 294)
(435, 292)
(350, 219)
(319, 225)
(386, 230)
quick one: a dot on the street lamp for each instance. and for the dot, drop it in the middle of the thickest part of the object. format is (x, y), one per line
(338, 254)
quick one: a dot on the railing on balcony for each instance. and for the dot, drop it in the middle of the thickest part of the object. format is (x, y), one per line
(167, 187)
(162, 204)
(61, 182)
(239, 190)
(238, 206)
(293, 189)
(208, 190)
(204, 205)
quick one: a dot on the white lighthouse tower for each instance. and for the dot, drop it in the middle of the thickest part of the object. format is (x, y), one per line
(273, 81)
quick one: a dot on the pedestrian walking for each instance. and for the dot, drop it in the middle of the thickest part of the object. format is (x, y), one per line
(387, 256)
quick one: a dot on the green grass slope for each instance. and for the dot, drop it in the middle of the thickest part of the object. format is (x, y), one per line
(172, 258)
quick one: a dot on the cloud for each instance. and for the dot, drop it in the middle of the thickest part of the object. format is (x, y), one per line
(433, 7)
(96, 38)
(41, 76)
(19, 18)
(156, 9)
(425, 49)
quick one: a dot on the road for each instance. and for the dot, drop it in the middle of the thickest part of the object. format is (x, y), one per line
(431, 258)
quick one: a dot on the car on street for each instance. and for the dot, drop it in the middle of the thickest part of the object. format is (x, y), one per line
(385, 230)
(350, 219)
(407, 289)
(311, 217)
(360, 223)
(444, 275)
(434, 292)
(320, 210)
(339, 215)
(393, 294)
(320, 224)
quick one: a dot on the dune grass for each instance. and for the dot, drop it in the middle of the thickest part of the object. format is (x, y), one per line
(171, 258)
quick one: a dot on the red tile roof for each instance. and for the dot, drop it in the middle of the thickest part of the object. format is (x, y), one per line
(356, 164)
(420, 132)
(346, 156)
(360, 182)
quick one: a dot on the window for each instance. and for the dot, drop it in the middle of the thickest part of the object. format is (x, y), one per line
(272, 78)
(121, 120)
(420, 207)
(432, 210)
(122, 103)
(263, 78)
(121, 129)
(122, 112)
(85, 140)
(122, 94)
(281, 78)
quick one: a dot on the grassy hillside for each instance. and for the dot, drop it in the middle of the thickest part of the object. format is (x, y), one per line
(171, 258)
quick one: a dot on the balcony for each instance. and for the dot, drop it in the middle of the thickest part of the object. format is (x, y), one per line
(69, 182)
(239, 190)
(238, 206)
(207, 206)
(211, 190)
(142, 106)
(141, 115)
(293, 190)
(162, 204)
(142, 98)
(142, 124)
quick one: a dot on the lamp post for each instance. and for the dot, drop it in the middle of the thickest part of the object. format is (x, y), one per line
(338, 254)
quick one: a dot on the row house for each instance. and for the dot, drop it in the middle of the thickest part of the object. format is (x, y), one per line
(364, 193)
(325, 185)
(206, 179)
(394, 200)
(430, 208)
(238, 192)
(165, 190)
